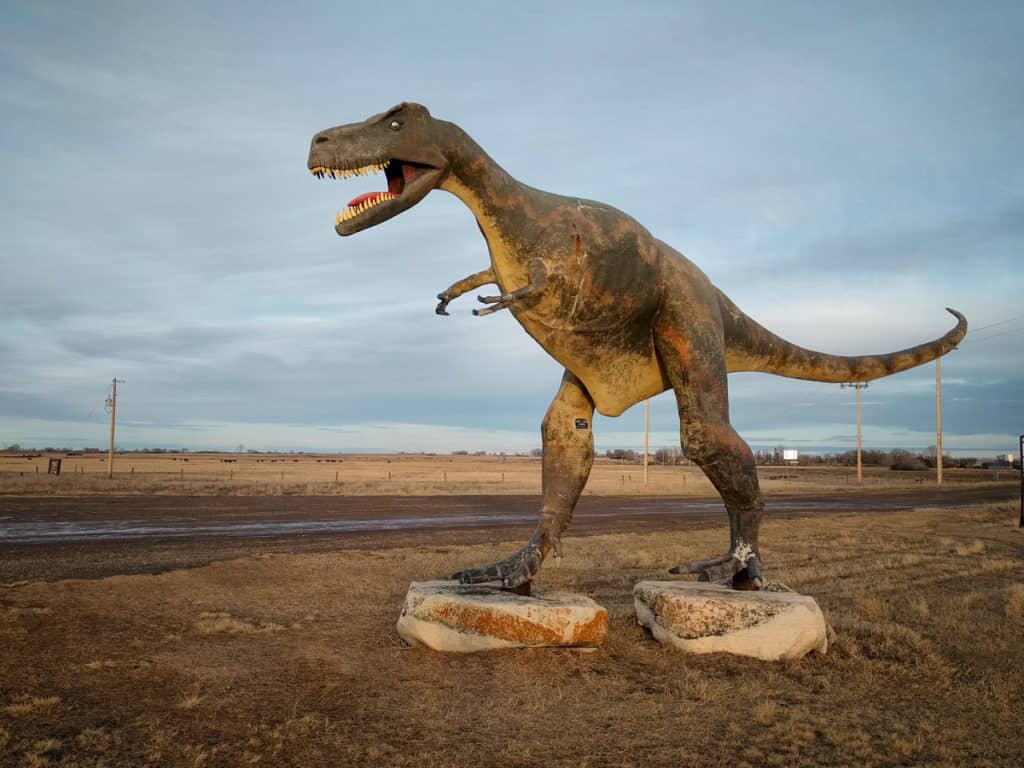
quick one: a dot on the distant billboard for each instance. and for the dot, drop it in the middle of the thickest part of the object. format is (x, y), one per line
(790, 454)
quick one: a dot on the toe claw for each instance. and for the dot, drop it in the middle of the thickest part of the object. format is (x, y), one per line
(700, 566)
(743, 568)
(514, 572)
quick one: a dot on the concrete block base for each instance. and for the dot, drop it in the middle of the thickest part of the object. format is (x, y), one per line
(448, 616)
(699, 617)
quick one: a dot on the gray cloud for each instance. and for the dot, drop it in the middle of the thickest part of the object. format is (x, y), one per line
(843, 173)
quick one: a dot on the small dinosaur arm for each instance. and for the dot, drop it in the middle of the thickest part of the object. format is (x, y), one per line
(626, 315)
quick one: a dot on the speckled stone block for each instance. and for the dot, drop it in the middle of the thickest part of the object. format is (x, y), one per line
(462, 618)
(699, 617)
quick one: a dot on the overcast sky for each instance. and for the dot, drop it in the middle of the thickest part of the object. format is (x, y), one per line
(843, 171)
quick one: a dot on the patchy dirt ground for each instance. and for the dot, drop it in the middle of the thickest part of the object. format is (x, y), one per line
(292, 659)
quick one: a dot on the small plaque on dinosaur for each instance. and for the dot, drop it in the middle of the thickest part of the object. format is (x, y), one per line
(582, 424)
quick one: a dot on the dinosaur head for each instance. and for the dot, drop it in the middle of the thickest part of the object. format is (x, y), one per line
(403, 143)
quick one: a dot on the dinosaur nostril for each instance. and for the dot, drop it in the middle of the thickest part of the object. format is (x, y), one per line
(320, 139)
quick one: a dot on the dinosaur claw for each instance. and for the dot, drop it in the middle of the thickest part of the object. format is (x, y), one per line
(742, 566)
(512, 572)
(490, 310)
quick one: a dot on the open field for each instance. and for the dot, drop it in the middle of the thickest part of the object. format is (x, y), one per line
(284, 659)
(412, 474)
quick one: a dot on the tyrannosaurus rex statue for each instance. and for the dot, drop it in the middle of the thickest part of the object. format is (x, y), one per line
(625, 314)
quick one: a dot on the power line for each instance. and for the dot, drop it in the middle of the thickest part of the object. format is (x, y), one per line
(995, 335)
(993, 325)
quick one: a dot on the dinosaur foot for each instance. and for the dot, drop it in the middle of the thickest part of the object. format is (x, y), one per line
(741, 565)
(514, 572)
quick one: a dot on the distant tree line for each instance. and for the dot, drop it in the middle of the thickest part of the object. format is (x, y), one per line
(896, 459)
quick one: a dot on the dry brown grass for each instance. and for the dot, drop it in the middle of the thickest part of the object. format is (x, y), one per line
(1015, 604)
(220, 623)
(923, 668)
(191, 701)
(95, 740)
(40, 752)
(420, 475)
(23, 705)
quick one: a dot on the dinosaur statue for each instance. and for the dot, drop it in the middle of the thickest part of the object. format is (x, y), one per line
(625, 314)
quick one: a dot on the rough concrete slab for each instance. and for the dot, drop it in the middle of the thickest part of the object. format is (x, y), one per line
(699, 617)
(462, 618)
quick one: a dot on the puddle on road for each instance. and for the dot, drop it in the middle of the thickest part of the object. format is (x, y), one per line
(136, 529)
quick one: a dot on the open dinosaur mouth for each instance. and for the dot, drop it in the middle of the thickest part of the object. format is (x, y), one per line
(399, 175)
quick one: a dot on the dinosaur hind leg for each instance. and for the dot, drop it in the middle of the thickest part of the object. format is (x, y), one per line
(698, 377)
(568, 457)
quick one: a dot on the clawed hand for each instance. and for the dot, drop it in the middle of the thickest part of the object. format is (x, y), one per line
(499, 302)
(537, 277)
(442, 306)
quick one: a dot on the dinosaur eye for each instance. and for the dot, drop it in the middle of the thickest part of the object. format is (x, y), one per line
(395, 125)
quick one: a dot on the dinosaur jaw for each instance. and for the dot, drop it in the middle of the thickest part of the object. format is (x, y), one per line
(407, 183)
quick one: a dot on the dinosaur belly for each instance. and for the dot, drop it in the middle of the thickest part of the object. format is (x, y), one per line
(600, 330)
(601, 291)
(617, 368)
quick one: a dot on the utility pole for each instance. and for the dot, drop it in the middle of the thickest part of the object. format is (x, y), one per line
(647, 431)
(112, 404)
(938, 419)
(858, 385)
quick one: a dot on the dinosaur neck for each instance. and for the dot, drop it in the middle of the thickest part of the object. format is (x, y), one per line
(504, 208)
(480, 183)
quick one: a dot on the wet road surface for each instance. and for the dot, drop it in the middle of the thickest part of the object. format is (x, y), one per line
(67, 537)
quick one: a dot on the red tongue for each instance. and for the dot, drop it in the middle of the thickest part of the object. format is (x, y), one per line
(363, 198)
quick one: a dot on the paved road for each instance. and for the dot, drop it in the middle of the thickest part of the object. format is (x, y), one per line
(88, 537)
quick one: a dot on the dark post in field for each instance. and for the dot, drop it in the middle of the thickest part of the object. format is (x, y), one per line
(112, 405)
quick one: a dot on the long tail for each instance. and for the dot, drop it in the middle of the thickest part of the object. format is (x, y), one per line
(751, 347)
